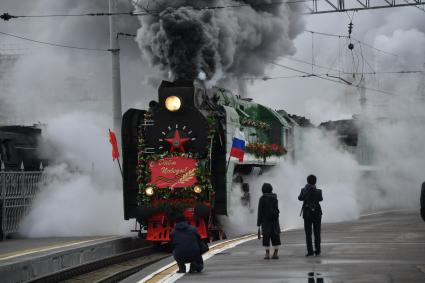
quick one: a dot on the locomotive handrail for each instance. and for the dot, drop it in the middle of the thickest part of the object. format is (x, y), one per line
(149, 150)
(148, 123)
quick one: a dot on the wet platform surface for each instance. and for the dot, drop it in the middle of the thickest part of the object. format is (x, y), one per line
(378, 248)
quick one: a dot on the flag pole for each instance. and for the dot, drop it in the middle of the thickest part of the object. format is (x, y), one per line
(228, 161)
(119, 164)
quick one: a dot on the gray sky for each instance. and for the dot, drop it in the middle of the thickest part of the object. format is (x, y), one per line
(397, 30)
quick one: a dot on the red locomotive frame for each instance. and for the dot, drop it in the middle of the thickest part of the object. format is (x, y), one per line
(159, 227)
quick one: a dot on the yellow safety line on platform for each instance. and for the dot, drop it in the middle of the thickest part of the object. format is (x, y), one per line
(168, 272)
(48, 248)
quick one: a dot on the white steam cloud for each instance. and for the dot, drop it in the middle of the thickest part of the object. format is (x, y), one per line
(337, 173)
(82, 194)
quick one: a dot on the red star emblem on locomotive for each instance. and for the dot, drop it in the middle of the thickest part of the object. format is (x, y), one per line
(177, 142)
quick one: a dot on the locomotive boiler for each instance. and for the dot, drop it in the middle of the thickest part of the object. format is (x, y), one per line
(176, 155)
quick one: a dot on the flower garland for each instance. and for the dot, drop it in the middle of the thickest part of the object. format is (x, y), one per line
(203, 175)
(255, 124)
(263, 150)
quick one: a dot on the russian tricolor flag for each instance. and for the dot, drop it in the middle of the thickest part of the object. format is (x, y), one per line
(238, 145)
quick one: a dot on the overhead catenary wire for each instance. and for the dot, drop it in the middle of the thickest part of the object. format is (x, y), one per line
(266, 78)
(373, 72)
(420, 8)
(126, 34)
(288, 58)
(357, 57)
(6, 16)
(310, 63)
(356, 40)
(363, 57)
(54, 44)
(335, 81)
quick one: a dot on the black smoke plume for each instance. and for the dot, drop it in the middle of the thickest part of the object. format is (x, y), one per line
(223, 39)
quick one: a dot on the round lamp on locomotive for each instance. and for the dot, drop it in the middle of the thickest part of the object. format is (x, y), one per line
(149, 191)
(173, 103)
(197, 189)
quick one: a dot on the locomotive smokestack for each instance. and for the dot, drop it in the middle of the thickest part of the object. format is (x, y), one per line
(184, 89)
(241, 88)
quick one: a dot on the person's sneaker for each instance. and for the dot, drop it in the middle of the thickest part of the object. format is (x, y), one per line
(309, 254)
(267, 257)
(317, 253)
(275, 257)
(181, 271)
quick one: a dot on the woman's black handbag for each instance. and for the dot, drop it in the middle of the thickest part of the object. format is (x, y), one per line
(259, 234)
(203, 247)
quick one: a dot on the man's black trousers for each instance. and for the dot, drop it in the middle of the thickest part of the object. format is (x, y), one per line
(314, 222)
(196, 264)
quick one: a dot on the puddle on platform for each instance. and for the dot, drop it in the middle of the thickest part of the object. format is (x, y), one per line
(315, 277)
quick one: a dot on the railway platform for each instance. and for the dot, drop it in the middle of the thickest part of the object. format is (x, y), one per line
(24, 259)
(388, 247)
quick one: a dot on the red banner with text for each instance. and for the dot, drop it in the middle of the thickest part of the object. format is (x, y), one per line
(173, 172)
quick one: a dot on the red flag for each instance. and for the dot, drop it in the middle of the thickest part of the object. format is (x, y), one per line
(113, 141)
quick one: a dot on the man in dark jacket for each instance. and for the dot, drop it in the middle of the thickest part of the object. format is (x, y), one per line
(312, 214)
(423, 201)
(185, 241)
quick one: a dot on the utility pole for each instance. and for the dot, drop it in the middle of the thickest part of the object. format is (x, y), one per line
(363, 98)
(116, 77)
(421, 87)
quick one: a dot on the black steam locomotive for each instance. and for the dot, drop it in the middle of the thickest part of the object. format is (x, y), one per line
(176, 155)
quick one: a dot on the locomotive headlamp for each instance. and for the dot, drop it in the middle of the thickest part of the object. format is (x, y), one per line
(197, 189)
(149, 191)
(173, 103)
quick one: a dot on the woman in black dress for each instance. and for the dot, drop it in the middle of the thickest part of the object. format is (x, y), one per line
(268, 219)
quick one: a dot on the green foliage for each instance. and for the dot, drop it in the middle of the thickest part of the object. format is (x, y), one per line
(263, 150)
(254, 123)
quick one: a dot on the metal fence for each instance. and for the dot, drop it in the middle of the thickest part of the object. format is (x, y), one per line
(17, 191)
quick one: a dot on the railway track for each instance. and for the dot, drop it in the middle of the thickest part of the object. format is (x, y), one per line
(110, 269)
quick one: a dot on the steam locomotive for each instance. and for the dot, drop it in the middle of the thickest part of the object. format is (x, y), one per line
(19, 148)
(176, 155)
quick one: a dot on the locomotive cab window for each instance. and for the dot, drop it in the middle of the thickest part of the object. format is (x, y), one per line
(6, 153)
